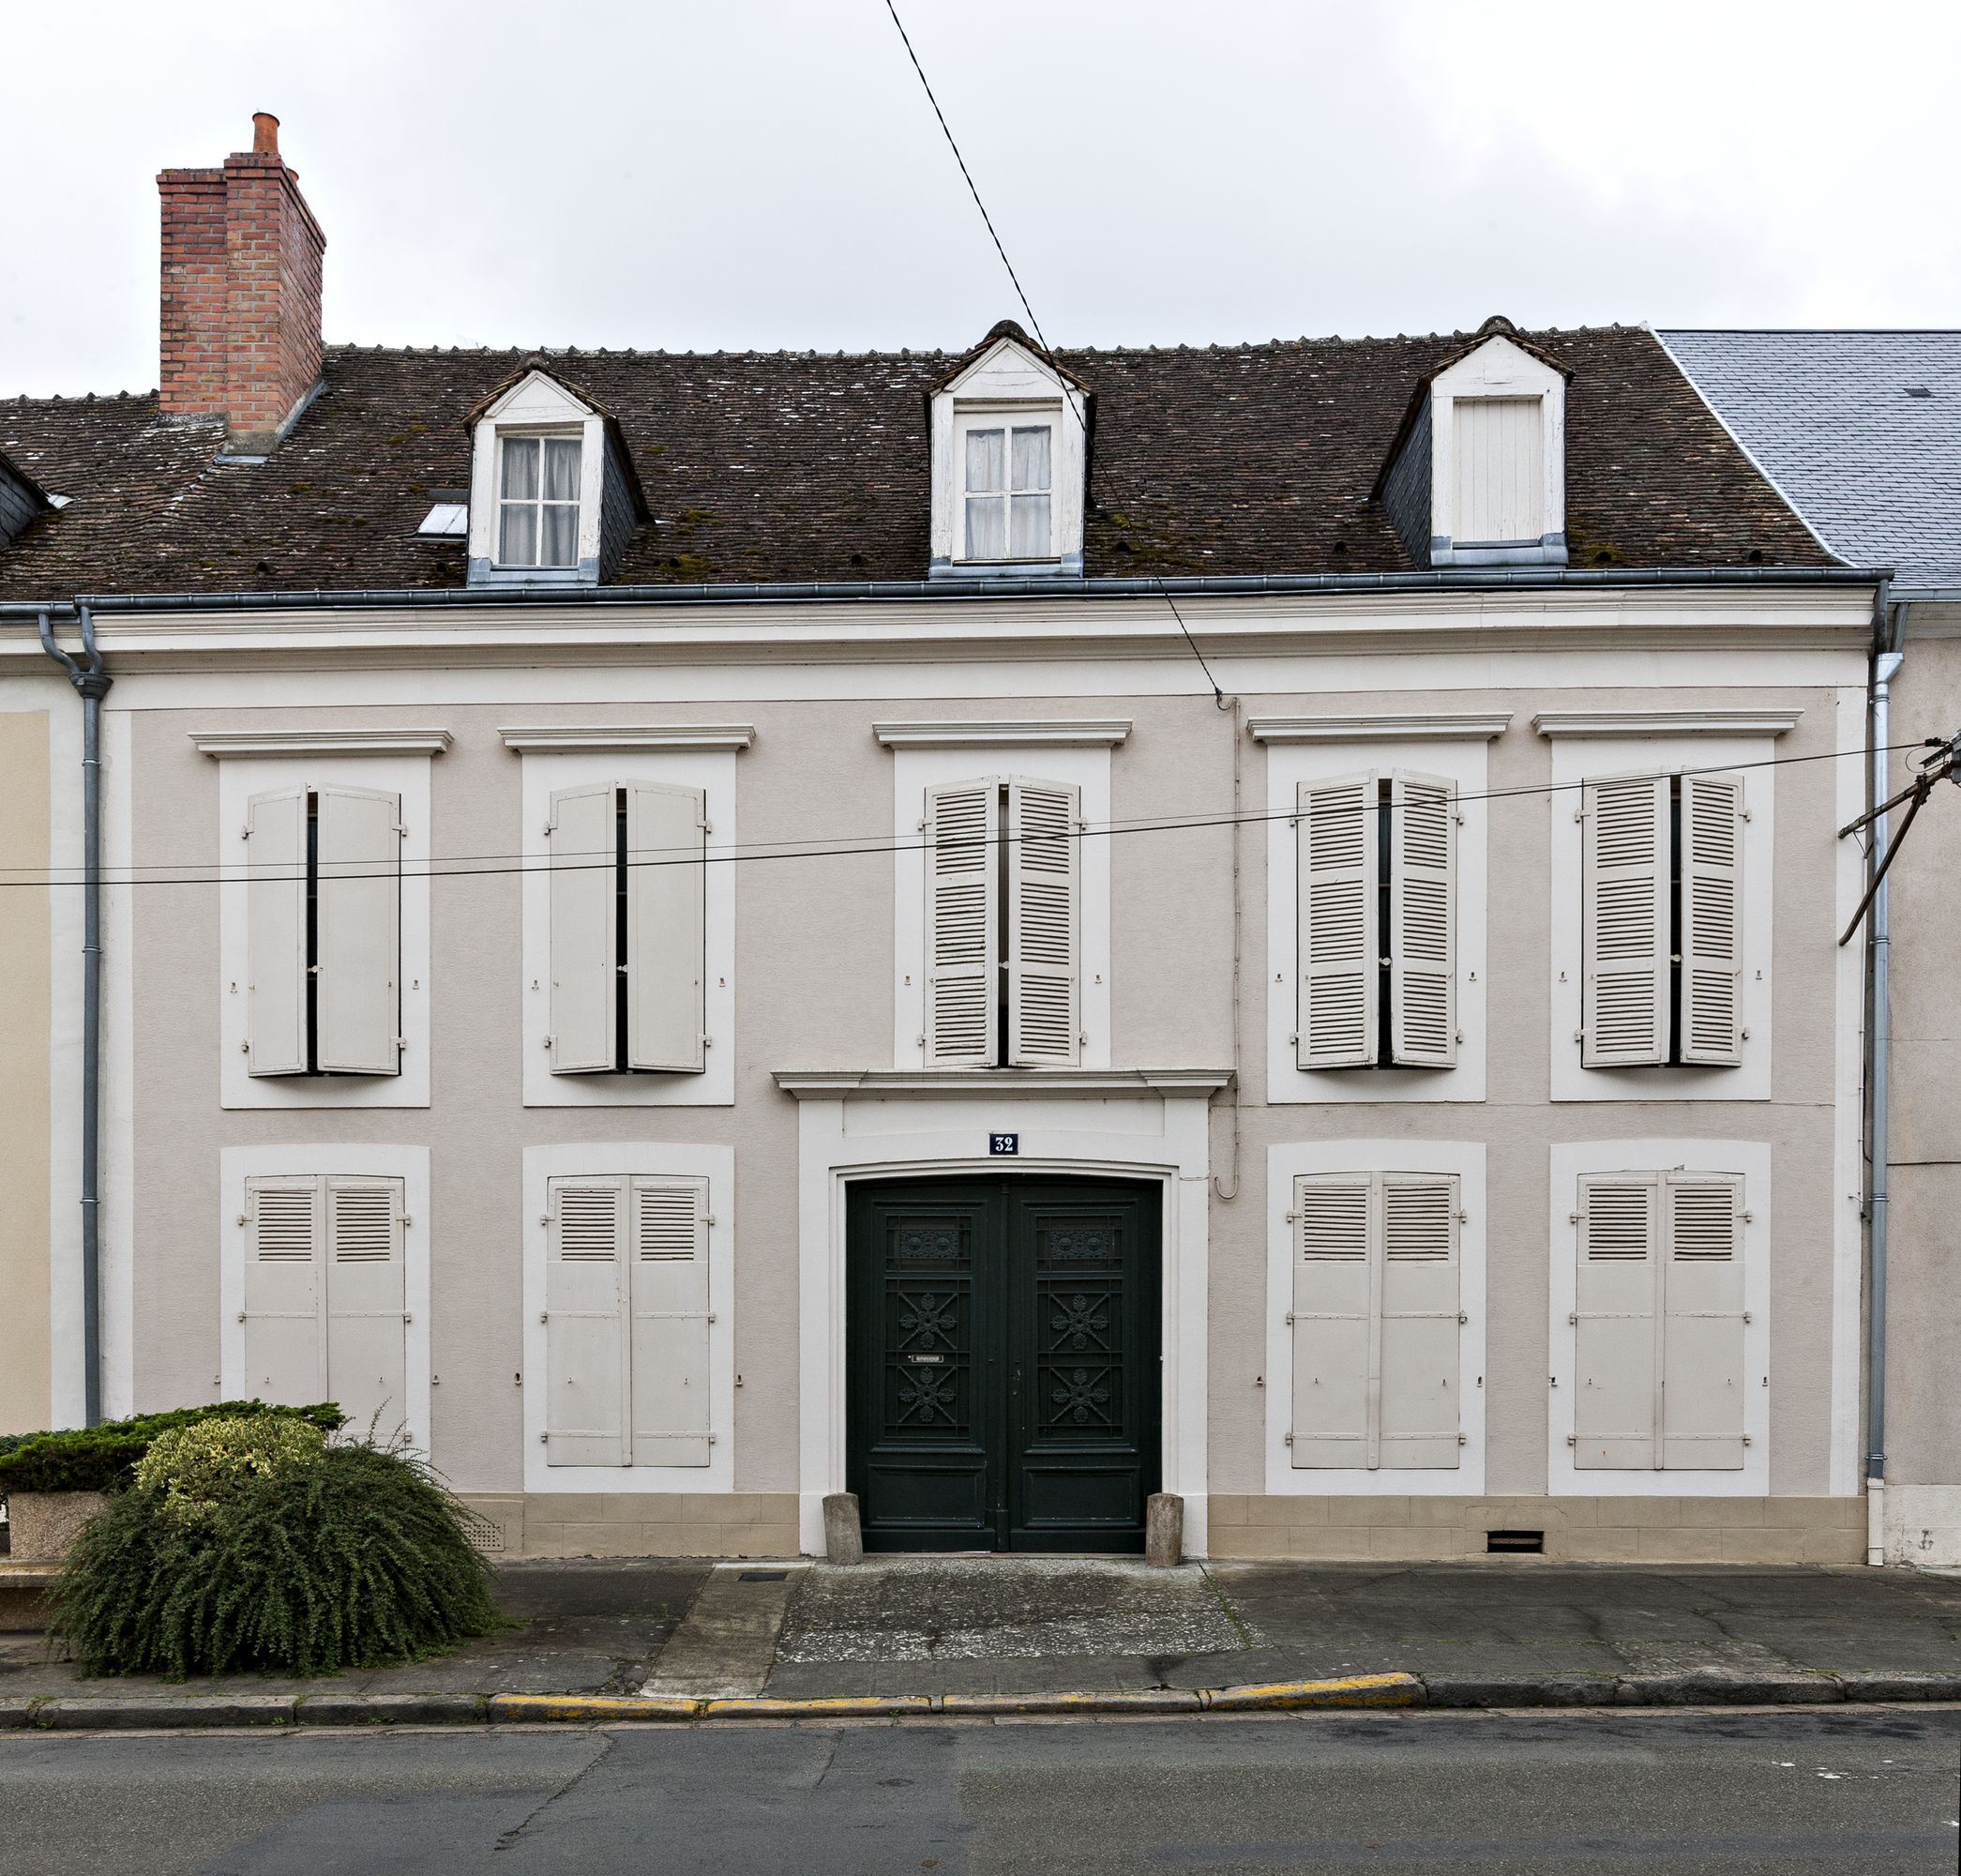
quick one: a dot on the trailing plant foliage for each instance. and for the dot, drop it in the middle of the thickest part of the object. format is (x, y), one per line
(102, 1458)
(200, 1467)
(351, 1557)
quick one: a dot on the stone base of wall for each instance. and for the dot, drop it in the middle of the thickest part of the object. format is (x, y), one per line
(1658, 1529)
(634, 1523)
(1924, 1525)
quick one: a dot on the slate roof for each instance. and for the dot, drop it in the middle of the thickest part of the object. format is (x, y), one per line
(782, 466)
(1837, 421)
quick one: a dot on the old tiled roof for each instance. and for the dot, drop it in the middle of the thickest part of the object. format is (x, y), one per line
(763, 466)
(1860, 430)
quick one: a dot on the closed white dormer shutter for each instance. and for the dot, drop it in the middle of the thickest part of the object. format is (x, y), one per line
(670, 1420)
(275, 933)
(366, 1343)
(285, 1352)
(1711, 918)
(667, 944)
(359, 932)
(1417, 1414)
(1702, 1341)
(962, 922)
(584, 923)
(1625, 1018)
(1617, 1329)
(586, 1323)
(1044, 912)
(1423, 826)
(1334, 1304)
(1339, 965)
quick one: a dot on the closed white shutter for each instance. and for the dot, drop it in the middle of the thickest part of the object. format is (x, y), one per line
(1617, 1329)
(1339, 963)
(1500, 480)
(358, 1010)
(1712, 918)
(285, 1331)
(1334, 1303)
(670, 1420)
(962, 914)
(1417, 1418)
(1702, 1342)
(586, 1323)
(366, 1338)
(584, 922)
(275, 933)
(1043, 912)
(1626, 939)
(666, 940)
(1422, 826)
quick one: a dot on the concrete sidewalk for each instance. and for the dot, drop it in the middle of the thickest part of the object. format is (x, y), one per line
(969, 1628)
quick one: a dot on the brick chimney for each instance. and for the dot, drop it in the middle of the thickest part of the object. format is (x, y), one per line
(241, 292)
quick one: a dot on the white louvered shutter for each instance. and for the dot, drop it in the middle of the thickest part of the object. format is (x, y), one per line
(366, 1339)
(667, 939)
(1617, 1365)
(584, 925)
(1044, 869)
(1702, 1336)
(1423, 954)
(1711, 918)
(359, 932)
(962, 914)
(1417, 1418)
(275, 933)
(1625, 937)
(1500, 479)
(285, 1354)
(1334, 1304)
(1339, 960)
(670, 1420)
(586, 1329)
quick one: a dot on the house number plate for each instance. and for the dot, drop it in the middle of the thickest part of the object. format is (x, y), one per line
(999, 1144)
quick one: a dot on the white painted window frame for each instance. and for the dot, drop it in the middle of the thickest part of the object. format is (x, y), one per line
(1007, 418)
(1569, 1164)
(1285, 1163)
(915, 769)
(709, 769)
(243, 773)
(411, 1165)
(536, 406)
(1292, 757)
(523, 432)
(1583, 758)
(638, 1158)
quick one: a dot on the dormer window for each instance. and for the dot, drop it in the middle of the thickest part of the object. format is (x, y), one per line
(1007, 491)
(537, 503)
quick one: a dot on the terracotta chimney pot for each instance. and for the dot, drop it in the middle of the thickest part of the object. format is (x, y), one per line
(265, 133)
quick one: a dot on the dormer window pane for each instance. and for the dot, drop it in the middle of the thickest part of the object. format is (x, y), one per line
(1007, 494)
(538, 504)
(1028, 537)
(986, 521)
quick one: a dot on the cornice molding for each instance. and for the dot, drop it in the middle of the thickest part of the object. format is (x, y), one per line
(1055, 732)
(999, 1083)
(605, 737)
(1666, 722)
(1431, 725)
(228, 743)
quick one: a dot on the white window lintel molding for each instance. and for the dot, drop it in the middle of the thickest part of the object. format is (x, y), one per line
(611, 736)
(320, 742)
(1666, 722)
(1087, 1083)
(1426, 725)
(1060, 733)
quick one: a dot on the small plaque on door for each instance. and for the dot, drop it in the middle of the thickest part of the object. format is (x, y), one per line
(999, 1144)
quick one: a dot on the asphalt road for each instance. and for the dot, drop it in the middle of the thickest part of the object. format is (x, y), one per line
(1563, 1795)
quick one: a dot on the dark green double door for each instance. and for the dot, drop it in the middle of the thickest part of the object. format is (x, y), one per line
(1003, 1339)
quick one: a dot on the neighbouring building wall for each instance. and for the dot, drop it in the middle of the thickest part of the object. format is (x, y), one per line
(25, 1009)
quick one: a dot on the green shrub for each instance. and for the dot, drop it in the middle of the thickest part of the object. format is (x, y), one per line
(100, 1459)
(352, 1557)
(211, 1462)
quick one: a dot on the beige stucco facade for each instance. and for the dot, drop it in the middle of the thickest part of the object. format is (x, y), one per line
(818, 969)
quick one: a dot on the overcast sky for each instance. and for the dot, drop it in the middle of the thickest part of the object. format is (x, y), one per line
(768, 173)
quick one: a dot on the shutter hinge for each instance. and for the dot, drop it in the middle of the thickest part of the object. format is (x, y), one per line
(401, 1042)
(245, 1048)
(1290, 1318)
(1289, 1439)
(1746, 1439)
(1747, 1315)
(1742, 813)
(241, 1315)
(547, 1042)
(1572, 1439)
(544, 1315)
(922, 826)
(707, 1042)
(1749, 1218)
(711, 1439)
(1573, 1318)
(244, 833)
(1744, 1034)
(1462, 1318)
(1579, 1036)
(1462, 1440)
(544, 1439)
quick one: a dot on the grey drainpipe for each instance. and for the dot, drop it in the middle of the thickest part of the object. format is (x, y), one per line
(92, 683)
(1886, 659)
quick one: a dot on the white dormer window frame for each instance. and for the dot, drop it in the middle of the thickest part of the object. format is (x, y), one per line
(1010, 390)
(536, 407)
(1497, 460)
(534, 494)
